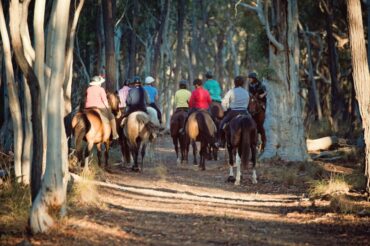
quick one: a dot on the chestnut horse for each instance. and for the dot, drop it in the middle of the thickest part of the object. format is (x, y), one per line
(200, 127)
(241, 137)
(139, 130)
(89, 125)
(177, 122)
(257, 110)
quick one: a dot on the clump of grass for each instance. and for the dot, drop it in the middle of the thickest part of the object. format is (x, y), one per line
(83, 191)
(161, 171)
(357, 180)
(15, 203)
(334, 186)
(341, 204)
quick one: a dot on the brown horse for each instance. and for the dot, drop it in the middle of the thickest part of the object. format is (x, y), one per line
(139, 130)
(89, 125)
(177, 122)
(257, 110)
(200, 127)
(241, 137)
(217, 113)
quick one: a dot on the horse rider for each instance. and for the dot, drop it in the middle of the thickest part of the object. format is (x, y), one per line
(152, 92)
(257, 89)
(123, 93)
(96, 97)
(213, 87)
(137, 98)
(199, 99)
(235, 102)
(182, 97)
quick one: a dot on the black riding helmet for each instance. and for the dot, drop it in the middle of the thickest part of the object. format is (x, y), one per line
(209, 75)
(252, 75)
(183, 83)
(136, 80)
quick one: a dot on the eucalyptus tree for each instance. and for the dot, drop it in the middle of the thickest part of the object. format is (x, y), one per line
(361, 75)
(284, 123)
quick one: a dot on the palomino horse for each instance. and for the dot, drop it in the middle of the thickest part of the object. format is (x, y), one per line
(140, 129)
(200, 127)
(256, 109)
(241, 137)
(217, 113)
(89, 125)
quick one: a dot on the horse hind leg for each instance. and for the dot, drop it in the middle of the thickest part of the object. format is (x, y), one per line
(238, 169)
(143, 147)
(98, 150)
(194, 145)
(175, 143)
(88, 149)
(254, 173)
(106, 153)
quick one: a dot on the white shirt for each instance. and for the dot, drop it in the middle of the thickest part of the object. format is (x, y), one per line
(236, 99)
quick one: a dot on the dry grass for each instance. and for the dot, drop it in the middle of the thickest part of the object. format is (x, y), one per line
(335, 185)
(161, 171)
(15, 202)
(83, 192)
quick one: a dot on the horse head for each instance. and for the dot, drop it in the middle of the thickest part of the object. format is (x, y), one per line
(114, 101)
(254, 106)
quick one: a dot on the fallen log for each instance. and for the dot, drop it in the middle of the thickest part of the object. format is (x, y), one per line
(324, 143)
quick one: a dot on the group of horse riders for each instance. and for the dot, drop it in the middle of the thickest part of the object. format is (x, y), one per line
(135, 97)
(235, 101)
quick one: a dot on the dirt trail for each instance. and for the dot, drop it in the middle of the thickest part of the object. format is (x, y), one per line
(180, 205)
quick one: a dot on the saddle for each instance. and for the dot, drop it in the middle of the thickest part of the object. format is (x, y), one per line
(240, 115)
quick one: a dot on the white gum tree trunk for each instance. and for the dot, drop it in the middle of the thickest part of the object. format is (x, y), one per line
(53, 189)
(14, 105)
(284, 122)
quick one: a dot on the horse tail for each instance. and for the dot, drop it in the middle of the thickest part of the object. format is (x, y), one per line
(144, 119)
(247, 127)
(202, 123)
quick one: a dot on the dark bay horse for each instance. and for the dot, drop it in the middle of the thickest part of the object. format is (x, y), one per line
(177, 122)
(241, 137)
(257, 110)
(200, 127)
(140, 129)
(89, 125)
(217, 113)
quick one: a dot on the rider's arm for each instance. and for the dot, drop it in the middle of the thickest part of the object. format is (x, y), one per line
(226, 100)
(103, 97)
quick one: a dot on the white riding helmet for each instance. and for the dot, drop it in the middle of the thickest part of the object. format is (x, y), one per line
(97, 80)
(149, 80)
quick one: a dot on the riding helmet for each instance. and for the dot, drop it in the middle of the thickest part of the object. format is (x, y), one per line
(209, 75)
(252, 75)
(136, 79)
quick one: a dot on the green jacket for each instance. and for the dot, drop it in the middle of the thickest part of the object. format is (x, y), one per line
(214, 89)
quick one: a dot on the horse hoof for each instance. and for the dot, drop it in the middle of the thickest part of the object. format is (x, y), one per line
(230, 179)
(237, 183)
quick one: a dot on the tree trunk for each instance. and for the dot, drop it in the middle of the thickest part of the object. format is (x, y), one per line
(314, 92)
(54, 184)
(337, 105)
(67, 86)
(132, 46)
(28, 135)
(159, 39)
(284, 123)
(109, 8)
(360, 74)
(15, 109)
(33, 83)
(180, 41)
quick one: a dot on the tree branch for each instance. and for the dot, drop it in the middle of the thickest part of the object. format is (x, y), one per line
(262, 15)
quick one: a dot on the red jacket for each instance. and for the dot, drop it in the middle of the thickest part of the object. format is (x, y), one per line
(200, 99)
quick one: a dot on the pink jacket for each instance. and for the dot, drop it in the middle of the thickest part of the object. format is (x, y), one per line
(96, 97)
(122, 93)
